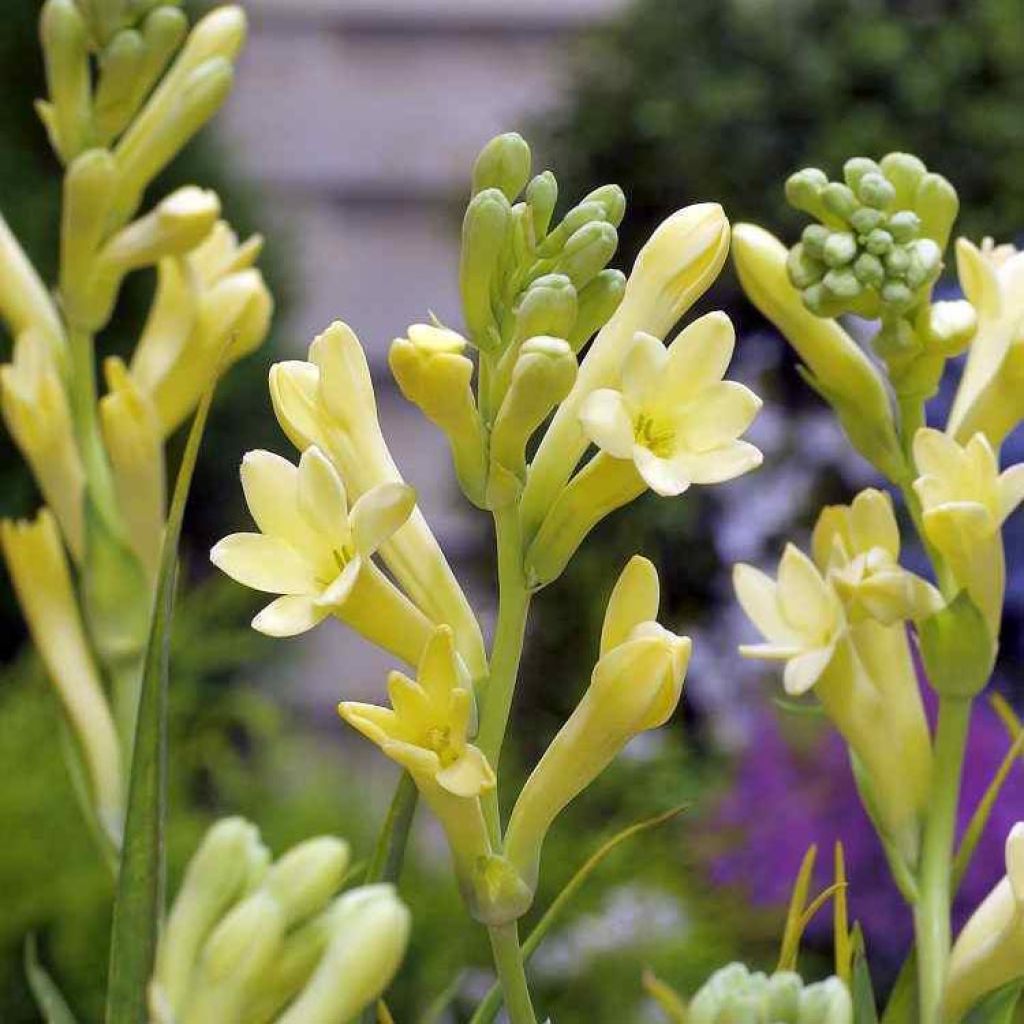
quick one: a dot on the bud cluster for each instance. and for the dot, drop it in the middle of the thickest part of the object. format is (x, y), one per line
(878, 245)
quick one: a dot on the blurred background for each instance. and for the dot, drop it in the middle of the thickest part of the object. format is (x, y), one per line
(348, 142)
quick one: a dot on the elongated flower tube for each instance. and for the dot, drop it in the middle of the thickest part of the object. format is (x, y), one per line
(989, 951)
(134, 441)
(673, 422)
(635, 686)
(329, 401)
(802, 619)
(36, 411)
(25, 304)
(990, 397)
(211, 308)
(42, 581)
(674, 268)
(965, 501)
(316, 552)
(840, 370)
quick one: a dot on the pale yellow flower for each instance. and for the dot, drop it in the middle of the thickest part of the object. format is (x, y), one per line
(316, 552)
(989, 950)
(990, 397)
(674, 416)
(965, 501)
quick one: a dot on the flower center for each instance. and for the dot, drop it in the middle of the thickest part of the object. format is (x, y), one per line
(657, 438)
(439, 740)
(341, 557)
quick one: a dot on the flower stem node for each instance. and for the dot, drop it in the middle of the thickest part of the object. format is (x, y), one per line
(958, 648)
(500, 895)
(635, 686)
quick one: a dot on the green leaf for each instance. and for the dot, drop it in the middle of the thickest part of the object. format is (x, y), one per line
(139, 904)
(902, 1005)
(47, 996)
(865, 1010)
(998, 1007)
(488, 1009)
(669, 1001)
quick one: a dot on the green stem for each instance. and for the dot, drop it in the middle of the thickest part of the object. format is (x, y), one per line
(506, 652)
(508, 959)
(931, 914)
(389, 853)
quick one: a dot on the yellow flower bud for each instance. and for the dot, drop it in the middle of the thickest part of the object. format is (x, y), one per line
(635, 686)
(36, 412)
(134, 441)
(25, 303)
(68, 114)
(840, 371)
(989, 950)
(42, 582)
(307, 876)
(484, 230)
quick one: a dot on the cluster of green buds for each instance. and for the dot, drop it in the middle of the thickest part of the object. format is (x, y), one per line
(250, 942)
(736, 994)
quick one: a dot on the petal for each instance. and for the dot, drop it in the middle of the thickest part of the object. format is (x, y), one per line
(437, 671)
(469, 776)
(606, 421)
(460, 711)
(411, 704)
(803, 671)
(377, 724)
(269, 483)
(719, 464)
(1011, 491)
(345, 384)
(418, 760)
(758, 595)
(873, 523)
(379, 513)
(936, 454)
(715, 416)
(338, 592)
(264, 563)
(979, 279)
(805, 599)
(642, 368)
(322, 499)
(769, 652)
(1015, 860)
(663, 476)
(289, 616)
(294, 385)
(697, 358)
(634, 600)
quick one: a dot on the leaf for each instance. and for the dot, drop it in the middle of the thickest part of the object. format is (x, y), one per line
(865, 1010)
(488, 1008)
(998, 1007)
(47, 996)
(139, 904)
(902, 1005)
(666, 997)
(797, 901)
(844, 947)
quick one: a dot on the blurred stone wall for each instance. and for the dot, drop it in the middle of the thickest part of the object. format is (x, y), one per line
(359, 120)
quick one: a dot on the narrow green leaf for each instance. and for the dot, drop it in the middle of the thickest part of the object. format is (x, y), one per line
(797, 901)
(1000, 1007)
(488, 1009)
(865, 1010)
(139, 903)
(842, 940)
(668, 999)
(47, 996)
(902, 1005)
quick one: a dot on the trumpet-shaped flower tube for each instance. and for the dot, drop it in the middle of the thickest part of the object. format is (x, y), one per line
(674, 268)
(989, 951)
(635, 686)
(329, 402)
(990, 398)
(316, 552)
(42, 582)
(965, 500)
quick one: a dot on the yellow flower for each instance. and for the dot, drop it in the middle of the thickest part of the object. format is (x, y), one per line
(989, 950)
(990, 397)
(211, 308)
(965, 501)
(635, 686)
(675, 417)
(427, 727)
(316, 552)
(36, 411)
(42, 582)
(24, 301)
(329, 401)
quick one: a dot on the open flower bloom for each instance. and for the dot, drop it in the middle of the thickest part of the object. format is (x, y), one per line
(635, 686)
(804, 623)
(989, 951)
(316, 552)
(675, 417)
(329, 401)
(965, 500)
(990, 397)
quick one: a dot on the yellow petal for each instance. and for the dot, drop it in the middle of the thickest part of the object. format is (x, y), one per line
(716, 416)
(643, 367)
(379, 513)
(322, 499)
(758, 595)
(289, 616)
(437, 671)
(937, 454)
(873, 523)
(294, 386)
(803, 671)
(264, 563)
(469, 776)
(1011, 491)
(634, 599)
(805, 599)
(412, 706)
(606, 421)
(663, 476)
(719, 464)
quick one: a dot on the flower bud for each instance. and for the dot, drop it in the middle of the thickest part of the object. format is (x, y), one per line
(25, 302)
(42, 583)
(597, 303)
(307, 876)
(504, 164)
(544, 374)
(541, 196)
(547, 307)
(950, 326)
(122, 62)
(587, 252)
(484, 231)
(937, 204)
(68, 114)
(635, 686)
(229, 863)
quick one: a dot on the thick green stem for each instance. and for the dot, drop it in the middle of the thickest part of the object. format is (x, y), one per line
(508, 959)
(931, 914)
(389, 853)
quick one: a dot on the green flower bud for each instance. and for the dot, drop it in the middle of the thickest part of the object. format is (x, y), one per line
(904, 226)
(587, 252)
(307, 876)
(803, 190)
(869, 270)
(579, 216)
(596, 304)
(120, 65)
(857, 168)
(504, 164)
(879, 242)
(937, 205)
(68, 115)
(905, 172)
(612, 200)
(896, 294)
(484, 231)
(840, 249)
(548, 306)
(840, 200)
(876, 191)
(802, 269)
(541, 196)
(950, 326)
(813, 238)
(897, 260)
(866, 219)
(843, 284)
